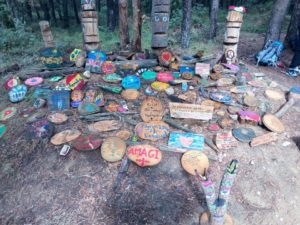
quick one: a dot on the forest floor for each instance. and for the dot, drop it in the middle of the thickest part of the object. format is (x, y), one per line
(40, 187)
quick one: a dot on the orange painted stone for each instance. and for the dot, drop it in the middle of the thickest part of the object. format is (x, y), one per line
(144, 155)
(130, 94)
(152, 109)
(194, 160)
(153, 131)
(113, 149)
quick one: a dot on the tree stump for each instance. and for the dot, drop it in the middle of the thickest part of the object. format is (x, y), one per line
(47, 34)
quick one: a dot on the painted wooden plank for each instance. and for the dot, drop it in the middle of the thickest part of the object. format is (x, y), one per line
(191, 111)
(186, 140)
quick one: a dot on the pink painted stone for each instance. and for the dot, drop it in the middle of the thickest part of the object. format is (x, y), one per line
(165, 76)
(249, 115)
(213, 127)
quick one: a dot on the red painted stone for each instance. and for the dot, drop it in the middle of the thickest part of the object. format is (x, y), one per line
(165, 76)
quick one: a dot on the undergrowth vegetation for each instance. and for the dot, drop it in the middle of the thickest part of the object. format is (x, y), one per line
(21, 44)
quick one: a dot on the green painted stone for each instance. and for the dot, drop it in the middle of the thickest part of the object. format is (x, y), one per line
(110, 88)
(112, 78)
(55, 78)
(2, 130)
(149, 75)
(87, 108)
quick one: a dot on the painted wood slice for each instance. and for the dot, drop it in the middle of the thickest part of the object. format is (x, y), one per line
(144, 155)
(275, 95)
(250, 101)
(153, 131)
(57, 118)
(152, 109)
(34, 81)
(105, 125)
(87, 142)
(194, 160)
(225, 140)
(123, 134)
(65, 136)
(130, 94)
(113, 149)
(7, 113)
(273, 123)
(243, 134)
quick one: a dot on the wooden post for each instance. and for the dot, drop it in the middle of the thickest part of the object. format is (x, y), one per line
(160, 23)
(123, 23)
(232, 35)
(47, 34)
(137, 24)
(89, 20)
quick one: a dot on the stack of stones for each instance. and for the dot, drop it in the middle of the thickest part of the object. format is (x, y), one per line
(89, 20)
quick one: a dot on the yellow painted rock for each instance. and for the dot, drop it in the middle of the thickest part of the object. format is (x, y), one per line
(159, 86)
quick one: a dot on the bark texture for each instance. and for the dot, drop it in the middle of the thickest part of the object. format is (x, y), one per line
(186, 23)
(123, 23)
(214, 7)
(137, 24)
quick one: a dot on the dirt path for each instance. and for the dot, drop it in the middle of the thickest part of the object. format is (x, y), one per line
(40, 187)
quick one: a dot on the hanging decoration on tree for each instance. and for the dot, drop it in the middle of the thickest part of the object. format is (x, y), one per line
(232, 35)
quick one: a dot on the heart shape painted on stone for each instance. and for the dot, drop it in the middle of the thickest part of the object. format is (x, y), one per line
(186, 141)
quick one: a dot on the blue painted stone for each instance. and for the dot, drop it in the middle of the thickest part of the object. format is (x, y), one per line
(221, 96)
(186, 140)
(184, 86)
(185, 68)
(176, 74)
(17, 93)
(243, 134)
(131, 82)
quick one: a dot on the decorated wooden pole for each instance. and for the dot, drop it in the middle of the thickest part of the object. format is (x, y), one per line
(232, 35)
(89, 20)
(217, 205)
(137, 23)
(123, 23)
(47, 34)
(160, 23)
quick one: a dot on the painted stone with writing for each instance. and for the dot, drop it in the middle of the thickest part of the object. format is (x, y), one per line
(225, 140)
(144, 155)
(152, 109)
(131, 82)
(75, 81)
(152, 131)
(112, 78)
(159, 86)
(113, 149)
(165, 76)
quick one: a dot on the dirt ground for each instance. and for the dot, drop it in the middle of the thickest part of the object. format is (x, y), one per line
(40, 187)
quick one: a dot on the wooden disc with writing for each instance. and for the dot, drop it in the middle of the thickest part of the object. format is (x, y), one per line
(153, 131)
(152, 109)
(130, 94)
(273, 123)
(113, 149)
(65, 136)
(194, 160)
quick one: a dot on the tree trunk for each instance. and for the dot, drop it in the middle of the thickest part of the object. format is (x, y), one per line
(214, 6)
(28, 10)
(278, 13)
(186, 23)
(293, 30)
(137, 24)
(45, 9)
(51, 2)
(123, 23)
(13, 8)
(110, 15)
(66, 14)
(76, 12)
(98, 3)
(59, 10)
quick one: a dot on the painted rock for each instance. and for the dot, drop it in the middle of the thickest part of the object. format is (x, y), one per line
(113, 149)
(140, 71)
(12, 82)
(249, 116)
(34, 81)
(131, 82)
(152, 131)
(144, 155)
(2, 130)
(218, 68)
(51, 57)
(194, 160)
(112, 78)
(184, 86)
(108, 67)
(87, 142)
(165, 57)
(159, 86)
(250, 101)
(221, 96)
(87, 74)
(40, 129)
(57, 118)
(214, 127)
(75, 81)
(176, 74)
(94, 96)
(215, 76)
(130, 94)
(152, 109)
(165, 76)
(186, 68)
(110, 88)
(87, 108)
(56, 78)
(226, 123)
(233, 109)
(17, 93)
(65, 136)
(77, 95)
(103, 126)
(149, 91)
(7, 113)
(186, 140)
(243, 134)
(39, 103)
(170, 91)
(225, 140)
(123, 134)
(80, 59)
(149, 76)
(187, 75)
(74, 54)
(239, 89)
(112, 106)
